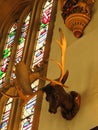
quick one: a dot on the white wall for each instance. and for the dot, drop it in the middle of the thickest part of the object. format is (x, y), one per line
(82, 63)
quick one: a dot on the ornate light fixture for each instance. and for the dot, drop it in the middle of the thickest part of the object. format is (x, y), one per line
(77, 14)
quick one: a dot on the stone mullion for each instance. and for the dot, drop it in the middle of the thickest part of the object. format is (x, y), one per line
(12, 114)
(15, 115)
(18, 113)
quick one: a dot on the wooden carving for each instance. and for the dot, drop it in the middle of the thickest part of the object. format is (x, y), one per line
(77, 14)
(56, 95)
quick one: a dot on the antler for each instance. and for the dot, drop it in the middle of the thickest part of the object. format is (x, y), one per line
(62, 44)
(25, 97)
(23, 82)
(53, 81)
(23, 79)
(21, 94)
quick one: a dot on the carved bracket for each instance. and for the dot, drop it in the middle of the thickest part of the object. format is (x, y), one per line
(77, 14)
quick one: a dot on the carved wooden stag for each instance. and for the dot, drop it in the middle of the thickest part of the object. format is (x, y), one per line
(56, 94)
(58, 97)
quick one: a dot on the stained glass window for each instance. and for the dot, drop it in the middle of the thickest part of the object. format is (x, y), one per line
(6, 58)
(6, 113)
(42, 34)
(7, 53)
(28, 111)
(21, 44)
(22, 39)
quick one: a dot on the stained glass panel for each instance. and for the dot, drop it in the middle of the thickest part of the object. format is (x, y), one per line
(26, 124)
(6, 114)
(22, 39)
(7, 53)
(21, 44)
(28, 110)
(42, 34)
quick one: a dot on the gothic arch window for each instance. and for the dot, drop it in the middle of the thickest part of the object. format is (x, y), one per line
(29, 116)
(5, 61)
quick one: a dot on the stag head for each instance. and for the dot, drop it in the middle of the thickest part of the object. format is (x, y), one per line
(54, 94)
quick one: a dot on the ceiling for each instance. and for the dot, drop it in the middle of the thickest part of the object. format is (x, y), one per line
(8, 7)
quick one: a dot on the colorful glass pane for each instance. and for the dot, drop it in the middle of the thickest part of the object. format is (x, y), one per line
(21, 43)
(26, 124)
(22, 39)
(7, 53)
(42, 34)
(6, 114)
(28, 110)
